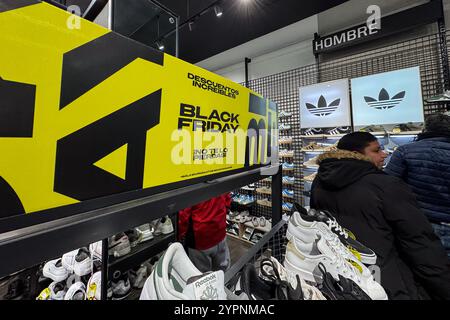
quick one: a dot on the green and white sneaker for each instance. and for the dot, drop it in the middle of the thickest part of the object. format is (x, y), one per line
(176, 278)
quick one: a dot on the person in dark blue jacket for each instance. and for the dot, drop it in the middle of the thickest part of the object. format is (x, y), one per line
(425, 166)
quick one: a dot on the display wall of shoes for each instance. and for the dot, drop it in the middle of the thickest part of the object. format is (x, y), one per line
(245, 219)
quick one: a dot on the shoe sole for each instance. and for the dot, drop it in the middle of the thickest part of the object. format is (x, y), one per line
(368, 259)
(54, 277)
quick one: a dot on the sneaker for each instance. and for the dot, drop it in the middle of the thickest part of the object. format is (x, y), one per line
(176, 278)
(134, 236)
(445, 97)
(312, 146)
(312, 163)
(83, 263)
(344, 289)
(312, 132)
(288, 180)
(311, 177)
(55, 270)
(121, 288)
(77, 291)
(95, 250)
(264, 190)
(119, 245)
(257, 288)
(373, 128)
(55, 291)
(288, 193)
(287, 206)
(303, 259)
(138, 277)
(272, 268)
(68, 260)
(94, 287)
(264, 202)
(308, 226)
(284, 127)
(165, 226)
(247, 200)
(406, 127)
(285, 140)
(338, 131)
(262, 222)
(284, 114)
(288, 166)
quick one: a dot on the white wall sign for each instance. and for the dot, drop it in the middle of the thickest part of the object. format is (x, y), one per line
(325, 105)
(388, 98)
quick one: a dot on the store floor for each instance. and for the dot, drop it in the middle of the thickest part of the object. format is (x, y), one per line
(237, 248)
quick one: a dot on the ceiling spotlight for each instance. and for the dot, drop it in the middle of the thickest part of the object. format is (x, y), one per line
(160, 45)
(218, 10)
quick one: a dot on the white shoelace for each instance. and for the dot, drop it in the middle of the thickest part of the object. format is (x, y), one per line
(341, 252)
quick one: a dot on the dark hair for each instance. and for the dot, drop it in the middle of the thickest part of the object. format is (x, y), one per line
(436, 125)
(356, 141)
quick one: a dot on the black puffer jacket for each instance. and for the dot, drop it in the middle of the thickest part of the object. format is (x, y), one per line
(383, 213)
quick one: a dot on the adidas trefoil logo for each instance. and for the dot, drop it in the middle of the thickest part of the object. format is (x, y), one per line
(323, 109)
(385, 101)
(210, 293)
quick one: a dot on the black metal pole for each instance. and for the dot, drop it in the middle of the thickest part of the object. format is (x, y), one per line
(247, 61)
(277, 188)
(105, 256)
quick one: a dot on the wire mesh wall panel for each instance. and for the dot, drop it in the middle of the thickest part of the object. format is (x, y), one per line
(424, 52)
(283, 88)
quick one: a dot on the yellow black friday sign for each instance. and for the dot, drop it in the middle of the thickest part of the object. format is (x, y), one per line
(87, 113)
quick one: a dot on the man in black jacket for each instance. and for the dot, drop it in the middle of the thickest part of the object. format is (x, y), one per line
(383, 213)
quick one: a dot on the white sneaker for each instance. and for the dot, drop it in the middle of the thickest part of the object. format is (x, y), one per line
(165, 227)
(309, 231)
(83, 263)
(176, 278)
(146, 232)
(94, 287)
(119, 245)
(55, 270)
(55, 291)
(76, 292)
(68, 260)
(303, 259)
(138, 278)
(96, 250)
(121, 289)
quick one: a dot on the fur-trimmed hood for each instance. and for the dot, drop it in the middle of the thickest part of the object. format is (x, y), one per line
(342, 154)
(340, 168)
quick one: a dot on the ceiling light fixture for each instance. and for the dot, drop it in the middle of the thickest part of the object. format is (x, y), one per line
(160, 45)
(218, 10)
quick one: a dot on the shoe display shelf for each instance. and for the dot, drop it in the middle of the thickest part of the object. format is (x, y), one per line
(103, 218)
(312, 147)
(140, 253)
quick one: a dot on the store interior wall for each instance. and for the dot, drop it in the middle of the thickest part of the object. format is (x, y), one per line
(270, 56)
(281, 50)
